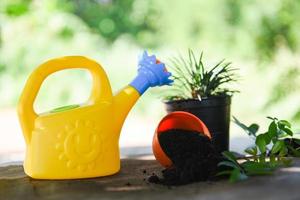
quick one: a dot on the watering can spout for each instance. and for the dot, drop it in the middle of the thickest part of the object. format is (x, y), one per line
(124, 100)
(151, 73)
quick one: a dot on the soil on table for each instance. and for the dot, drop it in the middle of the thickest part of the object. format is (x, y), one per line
(193, 156)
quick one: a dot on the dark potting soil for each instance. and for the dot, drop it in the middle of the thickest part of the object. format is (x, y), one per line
(193, 156)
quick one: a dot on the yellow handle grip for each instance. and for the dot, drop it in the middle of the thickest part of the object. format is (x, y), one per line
(101, 89)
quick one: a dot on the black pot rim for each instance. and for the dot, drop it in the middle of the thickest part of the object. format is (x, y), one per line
(211, 101)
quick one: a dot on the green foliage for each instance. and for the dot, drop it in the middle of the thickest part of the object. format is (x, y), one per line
(193, 80)
(35, 31)
(270, 151)
(17, 7)
(276, 30)
(27, 41)
(244, 31)
(112, 18)
(241, 171)
(285, 87)
(234, 13)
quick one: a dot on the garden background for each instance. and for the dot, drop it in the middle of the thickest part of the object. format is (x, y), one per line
(259, 37)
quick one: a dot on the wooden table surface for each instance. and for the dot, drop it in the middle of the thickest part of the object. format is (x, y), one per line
(130, 184)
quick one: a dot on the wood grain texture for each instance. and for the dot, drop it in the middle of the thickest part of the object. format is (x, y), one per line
(130, 184)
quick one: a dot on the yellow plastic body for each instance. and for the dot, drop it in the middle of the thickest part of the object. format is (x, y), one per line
(76, 143)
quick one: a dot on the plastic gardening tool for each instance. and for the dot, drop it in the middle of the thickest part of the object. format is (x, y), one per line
(81, 141)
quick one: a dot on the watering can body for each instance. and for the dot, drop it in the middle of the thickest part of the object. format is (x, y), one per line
(80, 142)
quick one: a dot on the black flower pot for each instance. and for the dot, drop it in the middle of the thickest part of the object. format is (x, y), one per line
(213, 111)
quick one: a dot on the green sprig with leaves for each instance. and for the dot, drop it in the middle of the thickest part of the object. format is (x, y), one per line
(273, 148)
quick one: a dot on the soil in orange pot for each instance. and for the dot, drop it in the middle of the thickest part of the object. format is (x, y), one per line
(193, 156)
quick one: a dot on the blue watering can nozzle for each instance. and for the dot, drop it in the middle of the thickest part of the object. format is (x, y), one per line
(151, 73)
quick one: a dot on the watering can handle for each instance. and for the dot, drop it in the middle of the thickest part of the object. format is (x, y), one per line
(101, 89)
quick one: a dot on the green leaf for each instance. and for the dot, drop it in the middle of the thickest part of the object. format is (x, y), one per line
(288, 131)
(255, 168)
(261, 143)
(285, 123)
(267, 138)
(239, 123)
(253, 128)
(283, 151)
(251, 150)
(227, 172)
(278, 146)
(230, 156)
(262, 158)
(272, 131)
(229, 164)
(273, 161)
(251, 166)
(282, 134)
(236, 175)
(272, 118)
(259, 173)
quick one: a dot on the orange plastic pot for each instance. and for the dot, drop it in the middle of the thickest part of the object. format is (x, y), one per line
(175, 120)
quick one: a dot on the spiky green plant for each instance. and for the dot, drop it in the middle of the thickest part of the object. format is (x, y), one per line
(193, 80)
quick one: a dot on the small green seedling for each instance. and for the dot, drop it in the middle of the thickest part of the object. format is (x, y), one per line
(272, 149)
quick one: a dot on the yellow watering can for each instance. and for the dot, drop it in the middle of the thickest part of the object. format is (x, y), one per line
(81, 141)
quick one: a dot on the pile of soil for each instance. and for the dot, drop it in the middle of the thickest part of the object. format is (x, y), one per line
(193, 155)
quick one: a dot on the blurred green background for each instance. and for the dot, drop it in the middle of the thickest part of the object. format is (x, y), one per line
(260, 37)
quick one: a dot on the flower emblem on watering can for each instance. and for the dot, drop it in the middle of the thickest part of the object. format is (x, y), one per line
(79, 144)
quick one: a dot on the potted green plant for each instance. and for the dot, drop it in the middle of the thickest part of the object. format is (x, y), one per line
(203, 92)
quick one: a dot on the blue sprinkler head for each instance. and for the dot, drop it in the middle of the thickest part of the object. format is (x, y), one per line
(151, 73)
